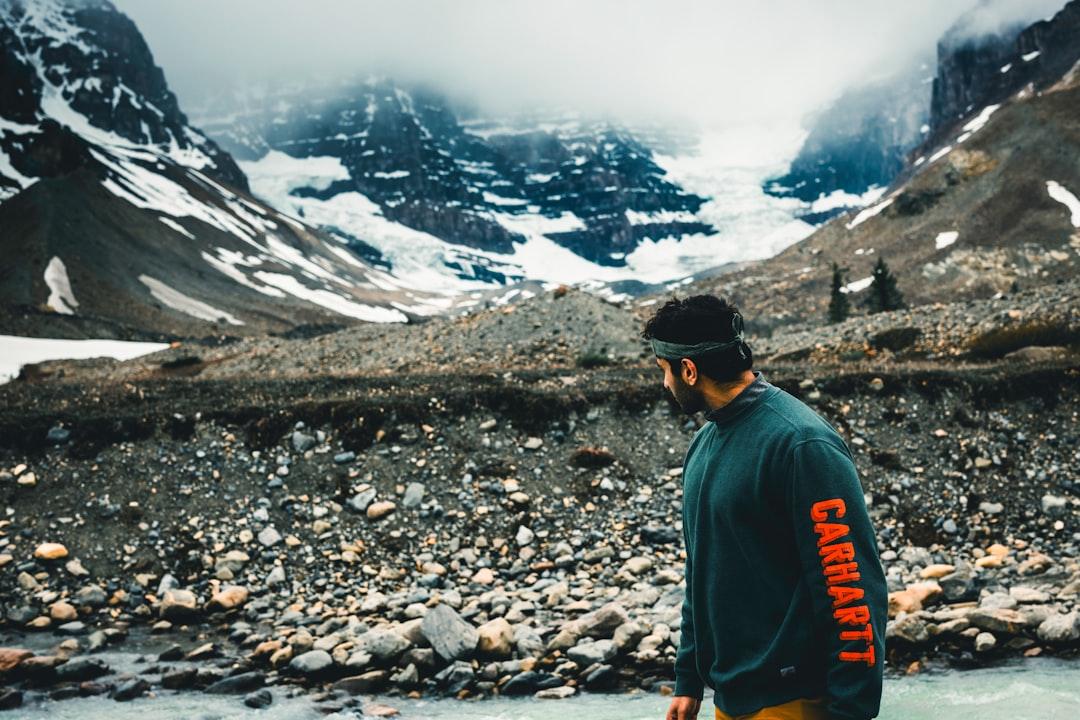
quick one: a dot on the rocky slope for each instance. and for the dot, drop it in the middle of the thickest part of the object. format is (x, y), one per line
(991, 211)
(118, 218)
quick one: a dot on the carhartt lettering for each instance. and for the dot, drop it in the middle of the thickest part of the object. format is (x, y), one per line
(840, 569)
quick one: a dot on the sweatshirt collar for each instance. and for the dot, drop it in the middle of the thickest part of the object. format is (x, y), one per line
(741, 402)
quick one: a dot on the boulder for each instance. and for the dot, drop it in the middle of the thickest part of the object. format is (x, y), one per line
(178, 605)
(495, 638)
(311, 663)
(1060, 628)
(451, 636)
(228, 598)
(50, 551)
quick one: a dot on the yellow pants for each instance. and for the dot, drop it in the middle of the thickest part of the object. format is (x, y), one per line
(794, 710)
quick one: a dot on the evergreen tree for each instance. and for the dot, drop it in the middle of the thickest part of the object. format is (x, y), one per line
(884, 295)
(839, 306)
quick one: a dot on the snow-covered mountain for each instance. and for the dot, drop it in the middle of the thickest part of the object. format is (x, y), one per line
(445, 193)
(873, 134)
(118, 217)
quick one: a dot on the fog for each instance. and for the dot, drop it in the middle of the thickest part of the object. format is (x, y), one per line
(718, 63)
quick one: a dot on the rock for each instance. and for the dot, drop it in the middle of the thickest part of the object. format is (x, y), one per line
(203, 652)
(1024, 594)
(236, 684)
(63, 612)
(455, 677)
(997, 620)
(414, 494)
(1054, 504)
(909, 628)
(229, 598)
(627, 636)
(1060, 628)
(638, 565)
(984, 641)
(360, 501)
(276, 576)
(528, 642)
(259, 699)
(378, 710)
(994, 601)
(364, 683)
(990, 508)
(91, 595)
(269, 536)
(131, 689)
(601, 623)
(451, 636)
(377, 510)
(302, 442)
(27, 480)
(1036, 563)
(936, 571)
(58, 435)
(556, 693)
(603, 677)
(181, 679)
(10, 658)
(588, 652)
(343, 458)
(383, 645)
(71, 628)
(533, 443)
(10, 698)
(234, 561)
(483, 576)
(50, 551)
(524, 536)
(487, 425)
(959, 584)
(75, 567)
(949, 526)
(311, 663)
(660, 535)
(495, 638)
(408, 678)
(178, 605)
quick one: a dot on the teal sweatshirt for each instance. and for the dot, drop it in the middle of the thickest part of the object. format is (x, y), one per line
(785, 595)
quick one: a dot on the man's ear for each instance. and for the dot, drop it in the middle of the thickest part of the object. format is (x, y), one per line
(689, 371)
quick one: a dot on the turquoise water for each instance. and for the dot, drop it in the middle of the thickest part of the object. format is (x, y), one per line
(1036, 689)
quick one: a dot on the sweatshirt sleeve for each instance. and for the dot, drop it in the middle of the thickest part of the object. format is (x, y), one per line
(839, 558)
(688, 681)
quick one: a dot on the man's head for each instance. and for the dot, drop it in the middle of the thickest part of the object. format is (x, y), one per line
(721, 358)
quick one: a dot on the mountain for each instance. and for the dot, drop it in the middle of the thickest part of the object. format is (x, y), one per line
(990, 206)
(118, 218)
(432, 184)
(870, 135)
(858, 144)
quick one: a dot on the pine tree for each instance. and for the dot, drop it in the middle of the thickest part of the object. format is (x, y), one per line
(884, 295)
(839, 306)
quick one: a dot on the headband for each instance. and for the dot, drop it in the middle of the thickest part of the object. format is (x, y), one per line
(677, 351)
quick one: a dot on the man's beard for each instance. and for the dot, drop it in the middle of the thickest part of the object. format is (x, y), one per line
(688, 399)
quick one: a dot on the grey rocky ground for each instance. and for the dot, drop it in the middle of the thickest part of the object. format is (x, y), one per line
(509, 530)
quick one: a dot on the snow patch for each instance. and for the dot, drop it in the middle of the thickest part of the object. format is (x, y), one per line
(869, 213)
(941, 153)
(839, 199)
(1066, 198)
(329, 300)
(945, 239)
(858, 285)
(61, 299)
(1030, 56)
(17, 351)
(177, 227)
(188, 305)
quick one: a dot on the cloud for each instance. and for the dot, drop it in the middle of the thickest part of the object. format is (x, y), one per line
(718, 62)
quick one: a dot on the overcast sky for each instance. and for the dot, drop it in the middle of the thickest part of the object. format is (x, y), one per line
(715, 62)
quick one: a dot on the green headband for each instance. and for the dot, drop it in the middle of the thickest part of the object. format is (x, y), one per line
(677, 351)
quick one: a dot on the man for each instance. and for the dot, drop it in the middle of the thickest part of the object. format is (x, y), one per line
(785, 606)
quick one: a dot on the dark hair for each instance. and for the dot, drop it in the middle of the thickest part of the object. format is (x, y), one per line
(701, 318)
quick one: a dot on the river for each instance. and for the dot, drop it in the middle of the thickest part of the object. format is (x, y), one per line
(1034, 689)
